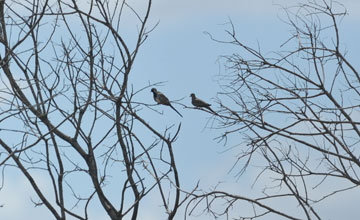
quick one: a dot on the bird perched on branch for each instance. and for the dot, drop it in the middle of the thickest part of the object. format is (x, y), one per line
(162, 99)
(200, 103)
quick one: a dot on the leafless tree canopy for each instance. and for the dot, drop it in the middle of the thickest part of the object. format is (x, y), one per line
(68, 115)
(298, 111)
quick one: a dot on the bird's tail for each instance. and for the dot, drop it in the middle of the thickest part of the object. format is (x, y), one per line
(176, 110)
(212, 111)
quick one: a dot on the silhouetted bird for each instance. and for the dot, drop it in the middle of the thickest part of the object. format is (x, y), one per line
(200, 103)
(162, 99)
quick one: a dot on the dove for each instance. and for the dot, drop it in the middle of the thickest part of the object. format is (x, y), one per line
(200, 103)
(162, 99)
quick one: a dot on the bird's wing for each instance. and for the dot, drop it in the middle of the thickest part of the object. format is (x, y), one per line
(200, 103)
(162, 99)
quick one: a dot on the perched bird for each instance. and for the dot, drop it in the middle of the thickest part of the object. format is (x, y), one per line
(162, 99)
(200, 103)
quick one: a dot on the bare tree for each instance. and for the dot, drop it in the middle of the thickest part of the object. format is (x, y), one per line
(297, 111)
(69, 115)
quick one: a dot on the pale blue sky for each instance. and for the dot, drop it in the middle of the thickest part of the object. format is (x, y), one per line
(179, 52)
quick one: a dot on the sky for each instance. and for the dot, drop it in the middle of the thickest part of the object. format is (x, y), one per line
(180, 54)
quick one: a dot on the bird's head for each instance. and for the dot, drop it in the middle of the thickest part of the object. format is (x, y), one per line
(153, 90)
(192, 95)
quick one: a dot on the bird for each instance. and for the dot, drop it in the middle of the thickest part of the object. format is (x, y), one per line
(200, 103)
(162, 99)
